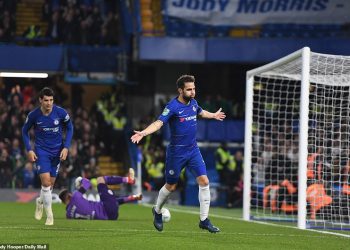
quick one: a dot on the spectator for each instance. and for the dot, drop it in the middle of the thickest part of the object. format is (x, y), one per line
(27, 93)
(208, 104)
(71, 28)
(155, 169)
(232, 179)
(46, 10)
(7, 27)
(55, 28)
(222, 156)
(32, 32)
(221, 102)
(5, 169)
(111, 30)
(96, 23)
(74, 165)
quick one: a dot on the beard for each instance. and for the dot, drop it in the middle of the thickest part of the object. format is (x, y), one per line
(187, 98)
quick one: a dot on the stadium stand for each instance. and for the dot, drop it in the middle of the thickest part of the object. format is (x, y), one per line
(40, 22)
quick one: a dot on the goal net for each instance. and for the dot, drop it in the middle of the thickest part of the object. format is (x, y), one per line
(297, 141)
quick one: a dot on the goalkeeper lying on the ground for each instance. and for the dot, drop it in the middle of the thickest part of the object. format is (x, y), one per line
(107, 209)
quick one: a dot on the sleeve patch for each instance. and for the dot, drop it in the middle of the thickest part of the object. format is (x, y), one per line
(165, 112)
(66, 118)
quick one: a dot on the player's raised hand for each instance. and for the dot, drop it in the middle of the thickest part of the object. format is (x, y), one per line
(218, 115)
(32, 156)
(136, 138)
(64, 153)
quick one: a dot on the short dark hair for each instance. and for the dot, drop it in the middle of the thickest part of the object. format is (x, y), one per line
(63, 194)
(180, 83)
(46, 91)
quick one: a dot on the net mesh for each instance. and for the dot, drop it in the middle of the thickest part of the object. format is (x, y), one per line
(276, 111)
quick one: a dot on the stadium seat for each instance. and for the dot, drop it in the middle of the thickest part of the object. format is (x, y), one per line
(220, 31)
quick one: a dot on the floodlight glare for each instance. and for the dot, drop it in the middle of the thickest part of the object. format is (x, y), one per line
(22, 74)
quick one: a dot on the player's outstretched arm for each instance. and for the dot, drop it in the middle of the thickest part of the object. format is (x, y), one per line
(218, 115)
(153, 127)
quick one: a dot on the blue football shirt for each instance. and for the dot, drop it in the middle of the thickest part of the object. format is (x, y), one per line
(182, 119)
(48, 129)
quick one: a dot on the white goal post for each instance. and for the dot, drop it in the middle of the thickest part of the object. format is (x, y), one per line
(297, 141)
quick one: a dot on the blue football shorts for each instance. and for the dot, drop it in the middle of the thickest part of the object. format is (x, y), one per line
(178, 157)
(47, 162)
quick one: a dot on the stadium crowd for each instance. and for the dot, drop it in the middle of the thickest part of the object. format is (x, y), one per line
(275, 158)
(7, 20)
(83, 22)
(73, 22)
(229, 167)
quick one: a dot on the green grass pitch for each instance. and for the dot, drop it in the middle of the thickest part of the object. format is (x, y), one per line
(134, 230)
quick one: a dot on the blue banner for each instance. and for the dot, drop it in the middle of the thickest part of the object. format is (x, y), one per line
(255, 12)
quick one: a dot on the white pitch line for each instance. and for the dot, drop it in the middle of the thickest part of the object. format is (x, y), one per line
(258, 222)
(118, 231)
